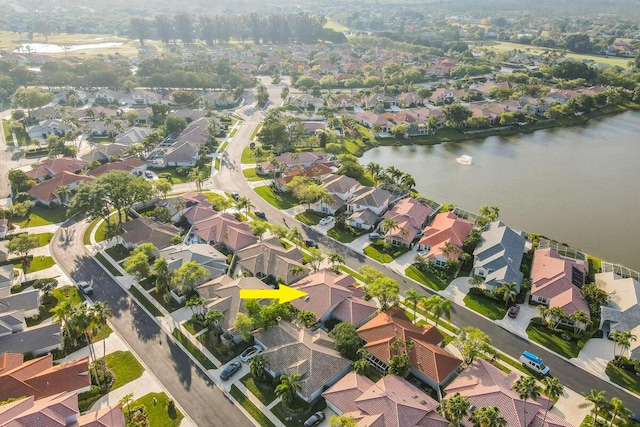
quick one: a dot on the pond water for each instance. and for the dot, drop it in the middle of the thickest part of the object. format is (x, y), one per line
(577, 185)
(57, 48)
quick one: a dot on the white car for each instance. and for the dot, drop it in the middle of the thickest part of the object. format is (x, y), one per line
(327, 220)
(250, 353)
(85, 287)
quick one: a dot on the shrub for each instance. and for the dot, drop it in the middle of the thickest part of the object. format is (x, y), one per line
(474, 290)
(39, 283)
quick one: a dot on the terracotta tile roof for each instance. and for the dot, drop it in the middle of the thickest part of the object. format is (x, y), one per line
(551, 278)
(224, 228)
(38, 377)
(198, 213)
(328, 291)
(52, 167)
(47, 190)
(426, 355)
(125, 165)
(485, 385)
(446, 227)
(391, 402)
(52, 411)
(103, 417)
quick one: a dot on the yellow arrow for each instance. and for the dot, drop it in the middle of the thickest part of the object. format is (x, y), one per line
(283, 293)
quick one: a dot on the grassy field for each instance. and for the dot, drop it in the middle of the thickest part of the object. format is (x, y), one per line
(279, 200)
(191, 348)
(486, 306)
(335, 26)
(247, 156)
(41, 216)
(252, 409)
(427, 279)
(502, 46)
(159, 413)
(125, 367)
(378, 253)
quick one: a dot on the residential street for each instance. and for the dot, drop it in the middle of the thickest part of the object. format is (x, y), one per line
(230, 178)
(190, 387)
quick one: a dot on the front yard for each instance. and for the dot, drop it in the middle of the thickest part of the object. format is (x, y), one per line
(309, 217)
(124, 366)
(41, 216)
(381, 254)
(252, 176)
(159, 413)
(263, 391)
(623, 378)
(278, 200)
(345, 234)
(486, 306)
(553, 341)
(427, 279)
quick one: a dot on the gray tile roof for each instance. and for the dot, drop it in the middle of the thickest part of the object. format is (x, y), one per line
(25, 300)
(32, 340)
(500, 252)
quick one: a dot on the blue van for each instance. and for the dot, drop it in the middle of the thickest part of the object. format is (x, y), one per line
(534, 363)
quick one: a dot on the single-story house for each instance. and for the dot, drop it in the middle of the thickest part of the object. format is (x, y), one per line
(291, 350)
(49, 168)
(15, 337)
(446, 227)
(269, 258)
(305, 101)
(108, 96)
(133, 135)
(205, 255)
(145, 230)
(498, 255)
(47, 127)
(104, 152)
(46, 192)
(333, 296)
(143, 97)
(390, 402)
(28, 301)
(131, 165)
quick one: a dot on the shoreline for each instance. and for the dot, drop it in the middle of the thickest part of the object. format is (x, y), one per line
(447, 135)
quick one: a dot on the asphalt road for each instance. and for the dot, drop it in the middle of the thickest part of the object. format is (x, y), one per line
(230, 178)
(188, 385)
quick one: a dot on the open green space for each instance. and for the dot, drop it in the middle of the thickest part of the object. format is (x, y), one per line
(124, 366)
(553, 341)
(252, 409)
(251, 175)
(309, 217)
(263, 391)
(112, 269)
(247, 156)
(278, 200)
(39, 215)
(142, 299)
(171, 171)
(381, 255)
(38, 263)
(486, 306)
(623, 378)
(191, 348)
(345, 234)
(159, 413)
(428, 279)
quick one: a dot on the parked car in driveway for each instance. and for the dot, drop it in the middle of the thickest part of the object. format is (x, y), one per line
(375, 236)
(513, 311)
(250, 353)
(230, 370)
(327, 220)
(85, 287)
(260, 214)
(314, 419)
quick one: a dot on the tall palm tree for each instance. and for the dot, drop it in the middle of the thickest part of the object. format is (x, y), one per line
(407, 181)
(197, 176)
(373, 169)
(553, 389)
(488, 416)
(295, 236)
(616, 406)
(61, 315)
(83, 320)
(244, 203)
(509, 292)
(438, 306)
(413, 298)
(394, 173)
(455, 408)
(389, 224)
(580, 321)
(623, 341)
(595, 399)
(527, 388)
(288, 388)
(64, 193)
(335, 259)
(161, 271)
(212, 320)
(258, 153)
(101, 313)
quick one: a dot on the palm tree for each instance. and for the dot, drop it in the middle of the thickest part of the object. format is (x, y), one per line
(64, 193)
(595, 399)
(394, 173)
(413, 298)
(258, 367)
(212, 319)
(623, 340)
(455, 408)
(61, 315)
(616, 406)
(161, 271)
(488, 416)
(295, 236)
(509, 292)
(438, 306)
(373, 169)
(288, 388)
(101, 314)
(527, 388)
(83, 320)
(361, 365)
(335, 259)
(389, 224)
(407, 181)
(258, 153)
(553, 389)
(244, 203)
(580, 321)
(197, 176)
(126, 402)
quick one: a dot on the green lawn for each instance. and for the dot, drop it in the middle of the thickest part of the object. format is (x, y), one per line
(191, 348)
(428, 279)
(208, 343)
(192, 327)
(345, 235)
(175, 178)
(279, 200)
(309, 217)
(86, 239)
(57, 296)
(305, 411)
(263, 391)
(486, 306)
(252, 409)
(223, 146)
(41, 216)
(114, 271)
(254, 134)
(552, 341)
(101, 231)
(232, 133)
(170, 304)
(623, 378)
(142, 299)
(44, 238)
(377, 252)
(247, 156)
(251, 175)
(38, 263)
(118, 252)
(124, 366)
(159, 414)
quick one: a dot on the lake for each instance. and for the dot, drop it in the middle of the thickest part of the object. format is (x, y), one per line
(577, 185)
